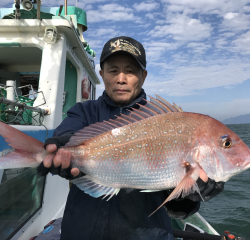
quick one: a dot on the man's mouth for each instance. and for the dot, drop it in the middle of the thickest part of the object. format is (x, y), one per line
(121, 90)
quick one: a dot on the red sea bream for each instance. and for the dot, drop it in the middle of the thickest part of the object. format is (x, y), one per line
(154, 148)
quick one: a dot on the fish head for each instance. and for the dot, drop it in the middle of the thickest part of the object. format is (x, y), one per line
(220, 151)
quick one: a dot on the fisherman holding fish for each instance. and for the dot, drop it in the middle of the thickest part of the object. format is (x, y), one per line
(125, 216)
(140, 155)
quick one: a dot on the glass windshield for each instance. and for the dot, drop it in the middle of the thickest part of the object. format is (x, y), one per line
(21, 194)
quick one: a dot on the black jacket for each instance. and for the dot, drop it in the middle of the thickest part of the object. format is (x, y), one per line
(124, 216)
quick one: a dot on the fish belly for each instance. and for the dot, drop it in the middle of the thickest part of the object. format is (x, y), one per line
(138, 156)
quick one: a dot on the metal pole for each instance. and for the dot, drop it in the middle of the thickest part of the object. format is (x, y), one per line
(38, 9)
(17, 5)
(76, 3)
(10, 90)
(11, 85)
(65, 7)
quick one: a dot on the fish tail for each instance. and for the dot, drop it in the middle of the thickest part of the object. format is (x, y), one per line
(25, 149)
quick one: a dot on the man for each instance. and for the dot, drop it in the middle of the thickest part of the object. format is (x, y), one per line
(125, 216)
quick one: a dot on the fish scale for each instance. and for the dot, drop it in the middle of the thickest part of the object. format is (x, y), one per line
(139, 152)
(154, 148)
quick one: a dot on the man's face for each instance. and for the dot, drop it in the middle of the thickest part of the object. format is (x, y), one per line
(123, 78)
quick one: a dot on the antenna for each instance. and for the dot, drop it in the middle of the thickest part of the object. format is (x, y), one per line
(65, 7)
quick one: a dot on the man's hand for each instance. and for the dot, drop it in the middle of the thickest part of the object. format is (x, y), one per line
(58, 163)
(62, 158)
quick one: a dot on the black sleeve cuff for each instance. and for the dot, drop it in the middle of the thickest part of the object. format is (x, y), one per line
(208, 190)
(181, 209)
(59, 141)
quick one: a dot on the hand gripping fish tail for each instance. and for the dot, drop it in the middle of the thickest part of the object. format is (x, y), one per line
(153, 148)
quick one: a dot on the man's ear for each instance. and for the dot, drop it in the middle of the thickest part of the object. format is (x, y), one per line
(101, 73)
(144, 75)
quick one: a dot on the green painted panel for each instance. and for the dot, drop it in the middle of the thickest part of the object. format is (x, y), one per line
(177, 224)
(70, 87)
(80, 15)
(10, 44)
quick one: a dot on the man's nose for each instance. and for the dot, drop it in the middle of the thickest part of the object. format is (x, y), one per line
(121, 78)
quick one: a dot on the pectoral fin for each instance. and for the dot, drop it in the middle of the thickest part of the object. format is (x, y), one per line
(186, 186)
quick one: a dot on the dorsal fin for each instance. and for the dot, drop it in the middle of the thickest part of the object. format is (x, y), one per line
(151, 108)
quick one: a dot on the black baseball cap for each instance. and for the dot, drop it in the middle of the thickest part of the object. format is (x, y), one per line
(127, 45)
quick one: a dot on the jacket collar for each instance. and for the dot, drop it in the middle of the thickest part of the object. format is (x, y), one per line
(140, 99)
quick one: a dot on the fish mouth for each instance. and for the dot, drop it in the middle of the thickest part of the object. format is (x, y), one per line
(246, 164)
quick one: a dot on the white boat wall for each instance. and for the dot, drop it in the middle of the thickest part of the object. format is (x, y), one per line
(52, 77)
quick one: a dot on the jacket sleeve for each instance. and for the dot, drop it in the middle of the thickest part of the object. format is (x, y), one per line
(76, 119)
(185, 207)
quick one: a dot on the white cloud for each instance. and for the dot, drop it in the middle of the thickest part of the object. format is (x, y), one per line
(221, 43)
(160, 21)
(246, 9)
(183, 28)
(155, 49)
(241, 44)
(150, 16)
(99, 88)
(198, 47)
(220, 110)
(235, 22)
(146, 6)
(206, 6)
(230, 15)
(196, 75)
(95, 43)
(105, 31)
(114, 7)
(176, 8)
(112, 12)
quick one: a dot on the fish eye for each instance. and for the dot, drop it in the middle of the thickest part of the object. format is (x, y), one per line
(227, 144)
(226, 141)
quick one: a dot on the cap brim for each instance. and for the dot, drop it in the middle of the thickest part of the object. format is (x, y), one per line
(127, 53)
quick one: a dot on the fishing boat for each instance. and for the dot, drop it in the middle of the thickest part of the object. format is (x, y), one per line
(46, 66)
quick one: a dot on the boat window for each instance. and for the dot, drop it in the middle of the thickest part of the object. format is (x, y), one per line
(21, 195)
(21, 64)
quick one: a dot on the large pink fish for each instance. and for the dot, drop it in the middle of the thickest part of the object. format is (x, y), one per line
(155, 148)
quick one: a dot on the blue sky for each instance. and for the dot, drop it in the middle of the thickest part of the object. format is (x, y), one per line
(197, 50)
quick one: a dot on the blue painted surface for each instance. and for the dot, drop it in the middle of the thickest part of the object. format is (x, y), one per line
(39, 135)
(48, 229)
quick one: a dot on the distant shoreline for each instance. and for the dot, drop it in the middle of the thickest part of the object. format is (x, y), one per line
(235, 123)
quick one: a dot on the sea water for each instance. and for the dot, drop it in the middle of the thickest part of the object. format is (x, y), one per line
(230, 210)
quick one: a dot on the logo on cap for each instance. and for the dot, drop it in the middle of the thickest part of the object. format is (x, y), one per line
(124, 45)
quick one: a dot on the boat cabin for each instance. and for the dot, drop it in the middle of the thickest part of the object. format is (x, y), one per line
(45, 68)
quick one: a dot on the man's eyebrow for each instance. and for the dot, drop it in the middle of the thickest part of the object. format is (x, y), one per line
(131, 66)
(112, 66)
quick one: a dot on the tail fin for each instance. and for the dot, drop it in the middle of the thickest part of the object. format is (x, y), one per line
(28, 150)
